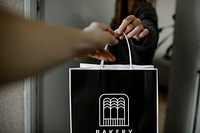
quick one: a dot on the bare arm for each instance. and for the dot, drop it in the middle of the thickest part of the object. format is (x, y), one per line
(28, 47)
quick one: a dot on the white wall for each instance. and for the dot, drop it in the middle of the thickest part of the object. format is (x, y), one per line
(77, 13)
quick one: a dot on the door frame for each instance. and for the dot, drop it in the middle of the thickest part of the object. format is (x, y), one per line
(30, 83)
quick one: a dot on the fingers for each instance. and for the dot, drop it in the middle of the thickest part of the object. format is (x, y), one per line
(98, 54)
(102, 55)
(133, 27)
(101, 34)
(144, 33)
(96, 26)
(105, 32)
(127, 21)
(106, 28)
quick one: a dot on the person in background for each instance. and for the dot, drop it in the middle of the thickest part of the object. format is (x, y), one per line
(138, 20)
(28, 47)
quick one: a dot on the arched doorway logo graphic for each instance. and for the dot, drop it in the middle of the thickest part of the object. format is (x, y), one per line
(113, 110)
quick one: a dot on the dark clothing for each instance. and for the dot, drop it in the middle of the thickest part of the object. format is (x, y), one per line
(143, 50)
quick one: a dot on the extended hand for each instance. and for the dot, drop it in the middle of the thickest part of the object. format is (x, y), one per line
(102, 34)
(132, 27)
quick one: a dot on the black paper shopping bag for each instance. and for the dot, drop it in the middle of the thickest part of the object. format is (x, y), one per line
(113, 100)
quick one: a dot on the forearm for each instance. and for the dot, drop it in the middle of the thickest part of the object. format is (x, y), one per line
(32, 47)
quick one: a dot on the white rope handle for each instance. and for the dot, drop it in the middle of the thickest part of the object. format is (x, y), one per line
(129, 51)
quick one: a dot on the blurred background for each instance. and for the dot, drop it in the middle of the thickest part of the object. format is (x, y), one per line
(40, 104)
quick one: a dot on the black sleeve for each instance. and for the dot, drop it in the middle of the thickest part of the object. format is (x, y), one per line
(148, 16)
(143, 50)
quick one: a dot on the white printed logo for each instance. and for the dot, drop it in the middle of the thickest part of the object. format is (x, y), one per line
(113, 110)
